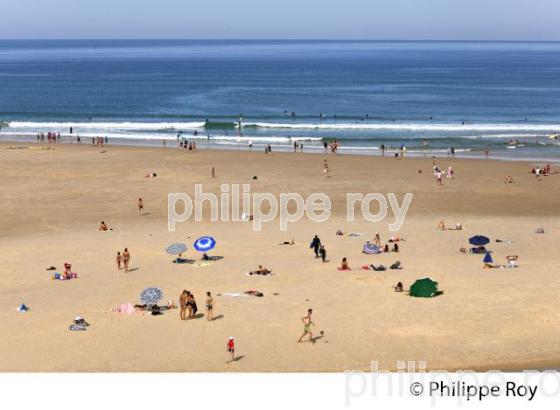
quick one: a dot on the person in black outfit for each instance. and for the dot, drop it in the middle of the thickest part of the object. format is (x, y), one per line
(316, 244)
(323, 253)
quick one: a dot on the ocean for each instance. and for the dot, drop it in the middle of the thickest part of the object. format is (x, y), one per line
(428, 96)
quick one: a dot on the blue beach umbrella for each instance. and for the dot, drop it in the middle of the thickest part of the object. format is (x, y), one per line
(151, 296)
(204, 244)
(176, 249)
(487, 258)
(479, 240)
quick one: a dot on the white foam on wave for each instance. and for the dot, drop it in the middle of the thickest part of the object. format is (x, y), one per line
(46, 126)
(410, 126)
(169, 137)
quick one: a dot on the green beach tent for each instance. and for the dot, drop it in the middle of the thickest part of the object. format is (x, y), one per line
(424, 288)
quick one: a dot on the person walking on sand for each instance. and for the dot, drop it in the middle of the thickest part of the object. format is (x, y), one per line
(209, 307)
(126, 259)
(316, 244)
(323, 253)
(140, 206)
(119, 260)
(231, 349)
(183, 304)
(307, 323)
(213, 172)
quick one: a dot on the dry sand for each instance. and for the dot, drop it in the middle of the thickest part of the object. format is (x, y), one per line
(53, 200)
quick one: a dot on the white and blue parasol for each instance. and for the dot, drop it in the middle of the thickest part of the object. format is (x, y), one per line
(176, 248)
(204, 244)
(151, 296)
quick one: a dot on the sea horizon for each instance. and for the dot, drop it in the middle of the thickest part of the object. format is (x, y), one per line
(425, 95)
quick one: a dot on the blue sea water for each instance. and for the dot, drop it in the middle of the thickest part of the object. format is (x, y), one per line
(427, 96)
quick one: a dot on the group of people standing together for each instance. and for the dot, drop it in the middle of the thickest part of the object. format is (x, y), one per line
(123, 260)
(188, 306)
(52, 137)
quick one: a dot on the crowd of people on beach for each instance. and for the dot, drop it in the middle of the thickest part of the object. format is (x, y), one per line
(52, 137)
(188, 145)
(541, 171)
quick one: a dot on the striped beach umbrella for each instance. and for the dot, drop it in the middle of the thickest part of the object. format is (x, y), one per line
(176, 248)
(371, 249)
(204, 244)
(151, 296)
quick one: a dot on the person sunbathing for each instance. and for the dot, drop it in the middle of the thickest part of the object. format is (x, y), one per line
(395, 247)
(103, 226)
(492, 266)
(261, 271)
(399, 287)
(441, 225)
(344, 264)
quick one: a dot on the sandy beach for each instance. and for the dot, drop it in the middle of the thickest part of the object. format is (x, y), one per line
(53, 200)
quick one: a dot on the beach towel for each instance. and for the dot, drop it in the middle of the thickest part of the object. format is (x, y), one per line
(202, 264)
(354, 234)
(341, 269)
(77, 327)
(127, 308)
(235, 294)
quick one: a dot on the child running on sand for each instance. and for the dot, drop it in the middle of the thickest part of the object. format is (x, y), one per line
(307, 322)
(231, 349)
